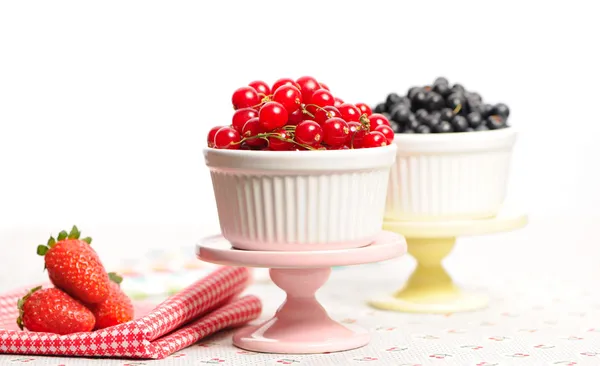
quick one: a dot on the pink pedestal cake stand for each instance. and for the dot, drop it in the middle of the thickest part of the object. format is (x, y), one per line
(301, 324)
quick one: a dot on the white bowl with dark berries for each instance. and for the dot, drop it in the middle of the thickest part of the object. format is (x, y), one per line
(453, 157)
(298, 169)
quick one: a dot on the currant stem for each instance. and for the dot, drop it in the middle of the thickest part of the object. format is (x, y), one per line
(364, 121)
(328, 114)
(316, 106)
(263, 100)
(265, 136)
(352, 141)
(304, 111)
(277, 136)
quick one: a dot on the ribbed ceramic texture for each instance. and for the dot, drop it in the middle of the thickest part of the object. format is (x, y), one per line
(455, 185)
(296, 211)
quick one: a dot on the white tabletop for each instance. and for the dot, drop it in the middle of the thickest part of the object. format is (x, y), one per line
(544, 308)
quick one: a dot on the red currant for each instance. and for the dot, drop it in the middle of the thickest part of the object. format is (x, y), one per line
(227, 138)
(325, 113)
(356, 135)
(261, 88)
(210, 139)
(349, 112)
(376, 120)
(272, 115)
(335, 132)
(374, 139)
(337, 102)
(289, 96)
(253, 128)
(245, 97)
(279, 143)
(295, 117)
(308, 85)
(364, 109)
(387, 132)
(309, 133)
(283, 81)
(241, 116)
(324, 86)
(322, 98)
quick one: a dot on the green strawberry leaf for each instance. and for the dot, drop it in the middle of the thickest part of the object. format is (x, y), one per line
(62, 235)
(20, 304)
(115, 278)
(74, 234)
(51, 242)
(42, 250)
(87, 240)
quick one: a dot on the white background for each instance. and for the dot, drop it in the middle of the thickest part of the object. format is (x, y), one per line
(104, 106)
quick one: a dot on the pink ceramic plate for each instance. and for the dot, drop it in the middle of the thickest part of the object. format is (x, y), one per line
(301, 324)
(216, 249)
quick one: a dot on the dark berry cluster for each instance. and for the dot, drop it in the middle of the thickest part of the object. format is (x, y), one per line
(297, 115)
(442, 108)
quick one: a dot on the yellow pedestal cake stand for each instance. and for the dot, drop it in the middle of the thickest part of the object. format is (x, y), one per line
(430, 288)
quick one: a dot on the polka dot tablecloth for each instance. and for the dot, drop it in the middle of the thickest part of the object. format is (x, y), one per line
(544, 310)
(162, 272)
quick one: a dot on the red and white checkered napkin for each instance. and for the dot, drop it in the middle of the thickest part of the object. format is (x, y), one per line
(203, 308)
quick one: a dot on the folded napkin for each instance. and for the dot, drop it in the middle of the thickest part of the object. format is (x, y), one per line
(201, 309)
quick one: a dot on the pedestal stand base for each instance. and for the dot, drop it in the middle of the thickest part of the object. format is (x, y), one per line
(462, 301)
(301, 324)
(338, 340)
(430, 288)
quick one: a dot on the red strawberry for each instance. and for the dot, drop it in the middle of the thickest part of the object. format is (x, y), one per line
(53, 311)
(116, 309)
(74, 267)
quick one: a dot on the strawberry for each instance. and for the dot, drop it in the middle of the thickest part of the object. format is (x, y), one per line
(116, 309)
(53, 311)
(74, 267)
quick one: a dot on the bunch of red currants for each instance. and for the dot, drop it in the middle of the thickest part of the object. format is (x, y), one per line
(298, 115)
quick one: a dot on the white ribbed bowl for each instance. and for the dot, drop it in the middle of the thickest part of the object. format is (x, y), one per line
(300, 200)
(449, 176)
